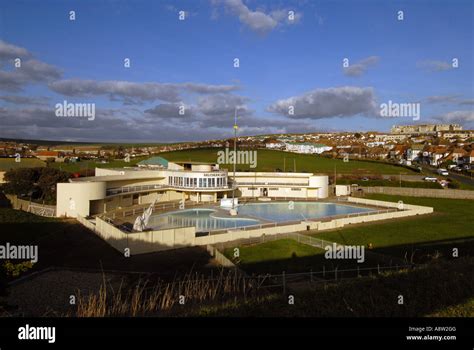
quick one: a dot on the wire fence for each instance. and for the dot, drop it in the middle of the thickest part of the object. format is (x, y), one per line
(285, 281)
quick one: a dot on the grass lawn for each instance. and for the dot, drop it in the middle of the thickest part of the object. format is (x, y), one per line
(9, 163)
(451, 226)
(270, 160)
(424, 238)
(277, 256)
(92, 164)
(290, 256)
(411, 184)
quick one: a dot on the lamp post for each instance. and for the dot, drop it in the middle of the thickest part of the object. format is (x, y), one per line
(235, 161)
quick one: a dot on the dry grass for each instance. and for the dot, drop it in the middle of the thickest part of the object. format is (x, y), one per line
(152, 299)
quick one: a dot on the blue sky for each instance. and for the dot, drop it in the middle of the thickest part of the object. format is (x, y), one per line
(283, 63)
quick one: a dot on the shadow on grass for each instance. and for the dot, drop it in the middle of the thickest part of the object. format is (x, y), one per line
(425, 291)
(419, 253)
(66, 243)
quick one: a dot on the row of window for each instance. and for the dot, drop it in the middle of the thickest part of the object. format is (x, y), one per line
(194, 182)
(273, 189)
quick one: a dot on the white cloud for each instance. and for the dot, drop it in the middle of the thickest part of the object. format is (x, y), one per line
(359, 68)
(257, 20)
(134, 93)
(459, 117)
(344, 101)
(434, 66)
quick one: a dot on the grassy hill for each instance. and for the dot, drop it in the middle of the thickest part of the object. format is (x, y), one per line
(437, 289)
(270, 160)
(9, 163)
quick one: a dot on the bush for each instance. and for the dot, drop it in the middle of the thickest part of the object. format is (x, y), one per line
(39, 183)
(454, 185)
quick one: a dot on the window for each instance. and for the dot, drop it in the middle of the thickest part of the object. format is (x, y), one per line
(200, 183)
(296, 189)
(273, 189)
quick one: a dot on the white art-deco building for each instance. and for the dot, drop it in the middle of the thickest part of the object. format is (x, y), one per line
(164, 181)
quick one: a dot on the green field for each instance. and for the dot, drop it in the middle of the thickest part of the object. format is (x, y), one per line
(417, 239)
(92, 164)
(410, 184)
(9, 163)
(451, 224)
(290, 256)
(280, 255)
(269, 160)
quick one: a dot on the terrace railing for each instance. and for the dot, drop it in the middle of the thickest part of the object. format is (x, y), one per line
(134, 189)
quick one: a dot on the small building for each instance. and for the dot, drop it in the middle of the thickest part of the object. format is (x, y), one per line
(307, 148)
(45, 155)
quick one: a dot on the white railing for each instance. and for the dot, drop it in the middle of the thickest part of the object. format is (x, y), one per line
(141, 188)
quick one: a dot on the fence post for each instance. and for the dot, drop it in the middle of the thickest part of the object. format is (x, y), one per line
(378, 269)
(311, 275)
(284, 282)
(358, 274)
(324, 271)
(335, 274)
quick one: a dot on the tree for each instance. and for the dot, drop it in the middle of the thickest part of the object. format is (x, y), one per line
(39, 181)
(47, 182)
(21, 181)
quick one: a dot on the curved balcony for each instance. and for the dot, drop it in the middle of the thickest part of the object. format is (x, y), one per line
(146, 188)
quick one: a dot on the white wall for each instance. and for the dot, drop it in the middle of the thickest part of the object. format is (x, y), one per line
(72, 198)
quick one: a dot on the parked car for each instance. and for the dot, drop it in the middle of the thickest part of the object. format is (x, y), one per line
(467, 167)
(442, 172)
(458, 168)
(430, 179)
(365, 179)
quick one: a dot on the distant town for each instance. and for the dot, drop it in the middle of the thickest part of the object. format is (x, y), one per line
(431, 144)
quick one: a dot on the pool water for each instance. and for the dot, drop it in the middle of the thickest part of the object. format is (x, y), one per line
(290, 211)
(204, 219)
(200, 218)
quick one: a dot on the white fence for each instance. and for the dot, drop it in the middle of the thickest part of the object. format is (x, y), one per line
(219, 257)
(32, 207)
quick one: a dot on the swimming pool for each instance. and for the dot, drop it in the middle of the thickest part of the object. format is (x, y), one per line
(202, 219)
(250, 214)
(290, 211)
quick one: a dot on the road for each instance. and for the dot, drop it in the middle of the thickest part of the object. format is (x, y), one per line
(461, 178)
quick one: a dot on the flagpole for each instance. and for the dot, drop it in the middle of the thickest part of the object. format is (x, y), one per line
(235, 156)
